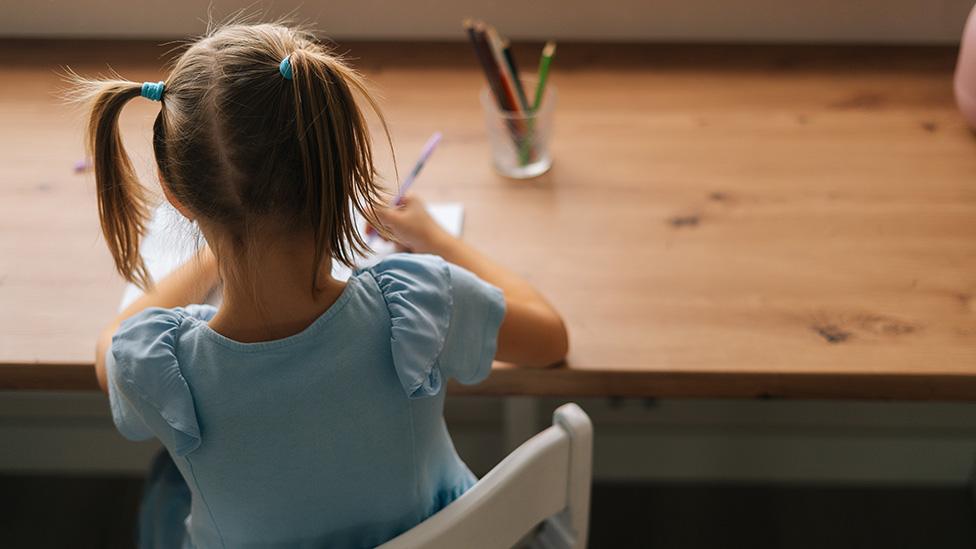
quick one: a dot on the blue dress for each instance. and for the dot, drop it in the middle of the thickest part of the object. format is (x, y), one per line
(332, 437)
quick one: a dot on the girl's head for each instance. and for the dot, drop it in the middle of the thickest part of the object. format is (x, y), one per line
(258, 138)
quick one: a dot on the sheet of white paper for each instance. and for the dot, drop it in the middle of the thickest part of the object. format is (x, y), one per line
(172, 239)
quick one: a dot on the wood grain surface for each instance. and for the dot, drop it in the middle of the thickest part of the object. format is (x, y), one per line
(720, 221)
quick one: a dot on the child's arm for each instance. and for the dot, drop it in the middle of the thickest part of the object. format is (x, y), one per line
(532, 333)
(190, 283)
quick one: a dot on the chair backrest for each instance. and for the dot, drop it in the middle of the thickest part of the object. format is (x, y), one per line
(544, 483)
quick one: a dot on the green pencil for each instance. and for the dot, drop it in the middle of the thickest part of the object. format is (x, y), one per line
(544, 62)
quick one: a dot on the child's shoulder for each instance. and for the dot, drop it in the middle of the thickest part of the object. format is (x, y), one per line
(420, 267)
(416, 276)
(442, 317)
(145, 331)
(147, 390)
(424, 277)
(416, 290)
(143, 354)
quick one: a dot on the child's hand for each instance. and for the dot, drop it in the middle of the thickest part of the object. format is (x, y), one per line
(414, 229)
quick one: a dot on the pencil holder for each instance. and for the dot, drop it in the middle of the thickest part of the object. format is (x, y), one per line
(520, 140)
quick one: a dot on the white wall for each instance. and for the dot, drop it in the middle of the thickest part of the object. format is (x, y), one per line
(884, 21)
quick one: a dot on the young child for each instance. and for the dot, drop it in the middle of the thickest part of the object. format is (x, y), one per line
(304, 411)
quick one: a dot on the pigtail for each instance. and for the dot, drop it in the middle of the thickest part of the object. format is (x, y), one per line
(122, 201)
(253, 154)
(336, 155)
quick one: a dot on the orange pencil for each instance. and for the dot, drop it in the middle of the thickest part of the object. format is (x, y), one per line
(508, 80)
(483, 53)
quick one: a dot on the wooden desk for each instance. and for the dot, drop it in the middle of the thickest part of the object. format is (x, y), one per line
(720, 221)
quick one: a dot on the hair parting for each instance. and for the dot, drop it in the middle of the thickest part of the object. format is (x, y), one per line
(253, 155)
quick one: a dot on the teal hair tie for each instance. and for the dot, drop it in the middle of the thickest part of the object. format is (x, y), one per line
(153, 90)
(285, 67)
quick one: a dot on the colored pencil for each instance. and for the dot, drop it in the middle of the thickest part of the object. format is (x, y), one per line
(525, 143)
(424, 155)
(507, 80)
(487, 64)
(510, 59)
(412, 176)
(504, 94)
(500, 70)
(520, 127)
(544, 62)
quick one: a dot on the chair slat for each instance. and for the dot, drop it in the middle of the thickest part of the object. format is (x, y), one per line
(527, 487)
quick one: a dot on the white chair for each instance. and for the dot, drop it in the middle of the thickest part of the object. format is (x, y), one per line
(538, 495)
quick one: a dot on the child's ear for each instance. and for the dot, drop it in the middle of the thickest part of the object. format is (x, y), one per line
(172, 199)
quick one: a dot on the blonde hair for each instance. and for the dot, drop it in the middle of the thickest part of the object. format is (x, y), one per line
(245, 149)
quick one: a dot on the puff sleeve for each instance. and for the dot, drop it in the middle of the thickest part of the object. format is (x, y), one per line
(444, 321)
(147, 391)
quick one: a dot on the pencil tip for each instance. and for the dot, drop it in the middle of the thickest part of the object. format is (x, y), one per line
(549, 49)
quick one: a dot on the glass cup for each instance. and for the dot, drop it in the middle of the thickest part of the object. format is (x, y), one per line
(520, 141)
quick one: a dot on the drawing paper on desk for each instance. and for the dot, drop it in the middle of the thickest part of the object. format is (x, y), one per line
(172, 239)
